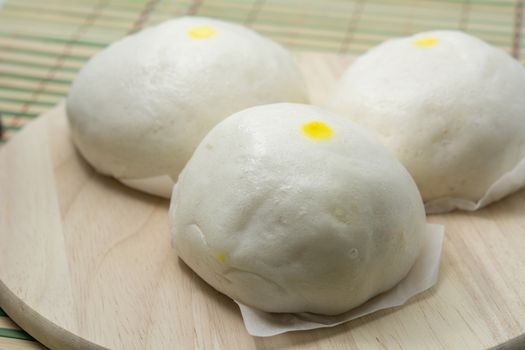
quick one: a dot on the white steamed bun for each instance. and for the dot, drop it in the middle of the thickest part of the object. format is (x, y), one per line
(140, 107)
(448, 105)
(288, 208)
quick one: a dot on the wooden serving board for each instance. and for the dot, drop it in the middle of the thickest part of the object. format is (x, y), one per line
(86, 263)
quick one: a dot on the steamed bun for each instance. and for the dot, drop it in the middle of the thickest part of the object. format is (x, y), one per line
(287, 208)
(448, 105)
(140, 107)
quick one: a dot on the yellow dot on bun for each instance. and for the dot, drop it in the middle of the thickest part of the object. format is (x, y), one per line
(426, 41)
(222, 257)
(318, 130)
(202, 32)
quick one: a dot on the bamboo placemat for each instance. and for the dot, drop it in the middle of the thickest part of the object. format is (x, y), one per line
(44, 43)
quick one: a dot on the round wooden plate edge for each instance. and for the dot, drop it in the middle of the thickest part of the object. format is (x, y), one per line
(38, 326)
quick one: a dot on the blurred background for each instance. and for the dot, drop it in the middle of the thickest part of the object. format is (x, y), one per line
(44, 43)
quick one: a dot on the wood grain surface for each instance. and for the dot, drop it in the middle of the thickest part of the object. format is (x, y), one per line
(86, 263)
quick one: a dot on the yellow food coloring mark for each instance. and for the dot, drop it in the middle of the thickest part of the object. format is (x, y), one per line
(340, 215)
(202, 32)
(317, 130)
(222, 257)
(426, 42)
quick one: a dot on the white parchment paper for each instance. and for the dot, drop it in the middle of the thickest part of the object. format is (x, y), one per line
(508, 183)
(422, 276)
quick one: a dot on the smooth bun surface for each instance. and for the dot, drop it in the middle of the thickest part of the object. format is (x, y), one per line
(449, 106)
(141, 106)
(288, 208)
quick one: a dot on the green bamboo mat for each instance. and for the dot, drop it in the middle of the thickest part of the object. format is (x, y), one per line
(44, 43)
(9, 330)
